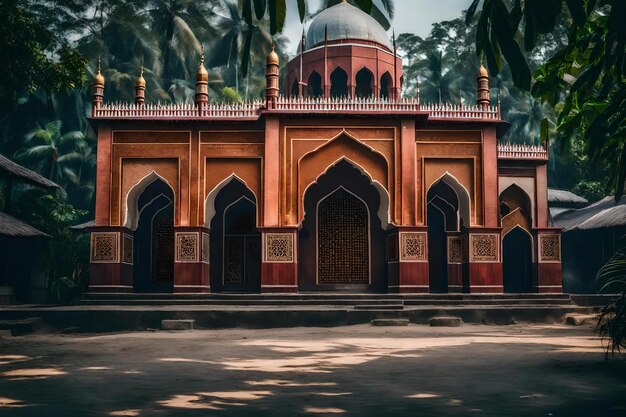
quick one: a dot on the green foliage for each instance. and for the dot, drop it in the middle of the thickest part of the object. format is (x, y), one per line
(612, 323)
(588, 75)
(33, 57)
(67, 256)
(230, 95)
(591, 190)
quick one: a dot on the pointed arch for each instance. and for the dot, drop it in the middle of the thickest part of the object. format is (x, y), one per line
(209, 201)
(339, 83)
(530, 236)
(462, 195)
(314, 85)
(386, 85)
(371, 163)
(514, 197)
(131, 216)
(364, 81)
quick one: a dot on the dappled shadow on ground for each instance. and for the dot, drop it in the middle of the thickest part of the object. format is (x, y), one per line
(356, 370)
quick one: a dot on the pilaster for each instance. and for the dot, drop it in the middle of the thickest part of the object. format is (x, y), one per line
(279, 267)
(407, 259)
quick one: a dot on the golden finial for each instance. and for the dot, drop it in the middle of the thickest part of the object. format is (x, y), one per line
(202, 75)
(98, 79)
(141, 82)
(272, 57)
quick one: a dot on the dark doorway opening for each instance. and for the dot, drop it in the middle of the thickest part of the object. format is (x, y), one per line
(235, 241)
(153, 245)
(339, 83)
(442, 217)
(315, 85)
(341, 244)
(386, 84)
(364, 83)
(517, 261)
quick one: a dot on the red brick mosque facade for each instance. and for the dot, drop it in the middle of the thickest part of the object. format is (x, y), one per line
(337, 184)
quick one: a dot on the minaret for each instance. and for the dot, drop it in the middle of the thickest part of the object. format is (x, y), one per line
(482, 84)
(97, 91)
(202, 85)
(140, 88)
(271, 79)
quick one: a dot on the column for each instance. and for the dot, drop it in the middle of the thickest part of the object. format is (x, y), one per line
(191, 260)
(111, 260)
(549, 273)
(456, 257)
(485, 264)
(279, 267)
(407, 259)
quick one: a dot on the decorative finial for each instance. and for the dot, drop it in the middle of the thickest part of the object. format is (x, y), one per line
(201, 54)
(98, 64)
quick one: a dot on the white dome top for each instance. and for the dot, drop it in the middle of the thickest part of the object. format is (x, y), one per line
(345, 21)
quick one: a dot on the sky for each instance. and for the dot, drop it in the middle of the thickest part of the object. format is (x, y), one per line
(416, 16)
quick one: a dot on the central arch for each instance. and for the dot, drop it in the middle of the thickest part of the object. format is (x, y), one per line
(341, 242)
(153, 243)
(517, 264)
(364, 83)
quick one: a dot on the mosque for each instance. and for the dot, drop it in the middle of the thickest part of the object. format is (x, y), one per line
(338, 183)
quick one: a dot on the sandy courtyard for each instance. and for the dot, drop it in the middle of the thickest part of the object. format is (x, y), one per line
(521, 370)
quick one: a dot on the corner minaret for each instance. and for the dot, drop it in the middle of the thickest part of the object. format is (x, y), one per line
(202, 84)
(482, 87)
(140, 88)
(97, 91)
(271, 78)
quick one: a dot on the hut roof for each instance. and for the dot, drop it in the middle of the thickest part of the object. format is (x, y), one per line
(26, 174)
(602, 213)
(565, 198)
(10, 226)
(83, 226)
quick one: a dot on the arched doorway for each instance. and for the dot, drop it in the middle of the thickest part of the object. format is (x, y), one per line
(315, 85)
(339, 83)
(386, 85)
(517, 261)
(341, 242)
(235, 248)
(153, 245)
(444, 218)
(364, 83)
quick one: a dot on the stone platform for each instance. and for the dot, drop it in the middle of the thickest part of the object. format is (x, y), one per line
(114, 312)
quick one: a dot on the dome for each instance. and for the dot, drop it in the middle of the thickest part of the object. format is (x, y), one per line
(140, 82)
(202, 75)
(482, 71)
(345, 21)
(272, 57)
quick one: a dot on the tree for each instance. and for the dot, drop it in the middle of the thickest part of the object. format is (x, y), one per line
(588, 75)
(33, 58)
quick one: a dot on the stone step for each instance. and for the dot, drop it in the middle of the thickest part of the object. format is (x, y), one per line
(379, 307)
(391, 322)
(21, 326)
(319, 296)
(445, 321)
(581, 319)
(177, 324)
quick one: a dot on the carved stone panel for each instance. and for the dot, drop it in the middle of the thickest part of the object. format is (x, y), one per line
(205, 248)
(187, 246)
(413, 246)
(455, 250)
(484, 247)
(127, 249)
(549, 248)
(104, 247)
(278, 247)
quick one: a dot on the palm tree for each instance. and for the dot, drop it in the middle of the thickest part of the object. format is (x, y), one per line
(54, 154)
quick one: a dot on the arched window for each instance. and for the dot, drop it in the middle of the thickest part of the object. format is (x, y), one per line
(339, 83)
(315, 85)
(386, 85)
(294, 88)
(364, 83)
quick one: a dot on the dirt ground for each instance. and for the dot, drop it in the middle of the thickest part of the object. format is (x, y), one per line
(520, 370)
